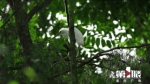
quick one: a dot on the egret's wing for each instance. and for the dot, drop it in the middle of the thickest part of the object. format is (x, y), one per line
(79, 37)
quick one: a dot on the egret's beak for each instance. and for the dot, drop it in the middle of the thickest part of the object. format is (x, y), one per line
(57, 35)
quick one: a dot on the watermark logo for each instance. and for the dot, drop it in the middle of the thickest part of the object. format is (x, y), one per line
(126, 74)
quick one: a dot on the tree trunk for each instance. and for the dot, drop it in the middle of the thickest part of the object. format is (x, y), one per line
(21, 22)
(72, 44)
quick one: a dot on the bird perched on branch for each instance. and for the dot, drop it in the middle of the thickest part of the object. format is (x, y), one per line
(78, 35)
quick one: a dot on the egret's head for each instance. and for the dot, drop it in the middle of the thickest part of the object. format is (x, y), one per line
(64, 32)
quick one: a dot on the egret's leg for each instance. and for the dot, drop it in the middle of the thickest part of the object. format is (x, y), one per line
(78, 51)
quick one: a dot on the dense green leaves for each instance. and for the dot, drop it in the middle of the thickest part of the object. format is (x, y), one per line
(105, 24)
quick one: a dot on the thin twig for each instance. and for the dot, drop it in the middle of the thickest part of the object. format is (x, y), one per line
(67, 12)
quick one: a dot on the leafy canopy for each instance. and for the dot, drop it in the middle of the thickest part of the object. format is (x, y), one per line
(113, 30)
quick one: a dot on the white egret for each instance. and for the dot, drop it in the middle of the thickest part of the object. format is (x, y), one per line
(78, 35)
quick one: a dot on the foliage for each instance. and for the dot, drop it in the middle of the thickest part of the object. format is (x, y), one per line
(113, 29)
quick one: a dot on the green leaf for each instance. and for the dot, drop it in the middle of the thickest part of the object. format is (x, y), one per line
(30, 73)
(13, 82)
(110, 35)
(93, 41)
(87, 40)
(103, 42)
(108, 43)
(84, 52)
(1, 23)
(113, 43)
(98, 42)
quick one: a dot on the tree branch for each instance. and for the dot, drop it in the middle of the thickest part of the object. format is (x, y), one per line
(91, 59)
(143, 45)
(102, 66)
(104, 52)
(101, 54)
(38, 8)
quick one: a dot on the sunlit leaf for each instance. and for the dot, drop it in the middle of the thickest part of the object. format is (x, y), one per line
(13, 82)
(30, 73)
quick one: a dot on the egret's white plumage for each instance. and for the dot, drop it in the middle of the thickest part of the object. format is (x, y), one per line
(64, 32)
(78, 35)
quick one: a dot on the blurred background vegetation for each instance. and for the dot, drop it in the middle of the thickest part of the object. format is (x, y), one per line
(116, 35)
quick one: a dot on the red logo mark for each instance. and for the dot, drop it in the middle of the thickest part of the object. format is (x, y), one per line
(127, 73)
